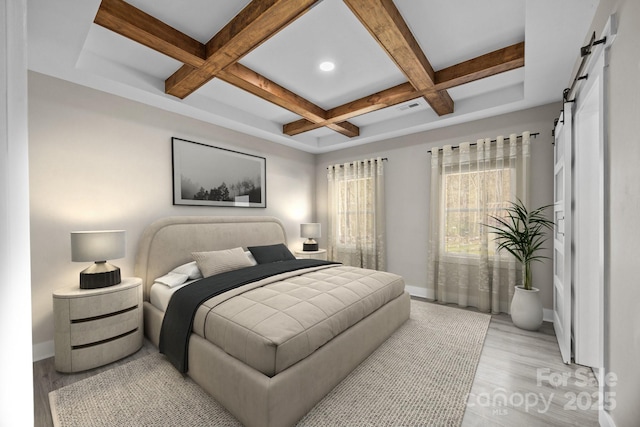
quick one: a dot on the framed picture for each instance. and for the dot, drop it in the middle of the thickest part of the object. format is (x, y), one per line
(204, 175)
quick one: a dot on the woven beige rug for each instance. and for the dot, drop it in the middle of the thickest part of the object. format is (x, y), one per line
(419, 377)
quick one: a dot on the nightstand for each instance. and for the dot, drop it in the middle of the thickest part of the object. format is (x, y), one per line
(319, 254)
(94, 327)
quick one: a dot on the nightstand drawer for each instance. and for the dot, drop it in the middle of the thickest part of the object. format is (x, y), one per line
(93, 331)
(98, 355)
(107, 303)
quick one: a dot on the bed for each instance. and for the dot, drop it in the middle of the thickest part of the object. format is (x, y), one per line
(273, 375)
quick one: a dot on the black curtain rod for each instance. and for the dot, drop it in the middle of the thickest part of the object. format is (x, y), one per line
(585, 51)
(535, 134)
(361, 161)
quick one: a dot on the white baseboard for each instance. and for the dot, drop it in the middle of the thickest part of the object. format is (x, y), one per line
(417, 291)
(605, 419)
(43, 350)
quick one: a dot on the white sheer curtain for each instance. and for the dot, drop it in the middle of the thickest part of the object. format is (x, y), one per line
(356, 233)
(468, 184)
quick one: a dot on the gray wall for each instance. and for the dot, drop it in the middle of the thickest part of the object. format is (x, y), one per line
(407, 186)
(622, 286)
(98, 161)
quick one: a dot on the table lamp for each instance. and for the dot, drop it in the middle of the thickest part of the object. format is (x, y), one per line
(311, 231)
(98, 246)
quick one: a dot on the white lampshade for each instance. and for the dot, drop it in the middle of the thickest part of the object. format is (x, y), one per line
(311, 230)
(97, 245)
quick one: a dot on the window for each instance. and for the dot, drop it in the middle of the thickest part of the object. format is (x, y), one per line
(464, 210)
(356, 220)
(468, 185)
(355, 210)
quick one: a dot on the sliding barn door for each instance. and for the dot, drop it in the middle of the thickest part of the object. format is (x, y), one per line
(588, 224)
(562, 234)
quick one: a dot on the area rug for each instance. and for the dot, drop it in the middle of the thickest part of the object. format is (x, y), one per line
(419, 377)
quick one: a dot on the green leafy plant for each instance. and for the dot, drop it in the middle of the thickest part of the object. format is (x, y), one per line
(522, 234)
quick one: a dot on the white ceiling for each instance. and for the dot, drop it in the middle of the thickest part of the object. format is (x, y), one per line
(64, 43)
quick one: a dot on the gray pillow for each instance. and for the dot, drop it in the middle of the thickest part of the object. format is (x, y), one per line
(271, 253)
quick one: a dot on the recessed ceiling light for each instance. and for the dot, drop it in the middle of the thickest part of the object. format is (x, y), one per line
(327, 66)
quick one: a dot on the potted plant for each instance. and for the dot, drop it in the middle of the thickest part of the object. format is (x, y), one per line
(522, 234)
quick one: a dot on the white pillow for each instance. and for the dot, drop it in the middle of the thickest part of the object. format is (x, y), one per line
(216, 262)
(172, 279)
(251, 258)
(190, 269)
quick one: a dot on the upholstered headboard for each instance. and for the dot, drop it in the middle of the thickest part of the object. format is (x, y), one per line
(168, 242)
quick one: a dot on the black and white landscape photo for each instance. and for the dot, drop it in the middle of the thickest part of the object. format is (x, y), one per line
(204, 175)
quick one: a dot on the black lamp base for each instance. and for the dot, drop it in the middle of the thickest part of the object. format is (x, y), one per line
(99, 275)
(310, 246)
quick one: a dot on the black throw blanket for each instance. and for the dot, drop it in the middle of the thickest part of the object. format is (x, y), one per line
(178, 319)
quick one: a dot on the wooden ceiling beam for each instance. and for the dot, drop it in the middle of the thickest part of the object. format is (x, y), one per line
(377, 101)
(247, 79)
(256, 23)
(385, 24)
(345, 128)
(128, 21)
(131, 22)
(492, 63)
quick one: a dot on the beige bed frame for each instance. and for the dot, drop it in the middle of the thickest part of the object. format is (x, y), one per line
(252, 397)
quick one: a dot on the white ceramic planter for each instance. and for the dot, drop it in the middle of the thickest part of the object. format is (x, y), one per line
(526, 309)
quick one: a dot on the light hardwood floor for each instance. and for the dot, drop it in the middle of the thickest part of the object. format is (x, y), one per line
(520, 381)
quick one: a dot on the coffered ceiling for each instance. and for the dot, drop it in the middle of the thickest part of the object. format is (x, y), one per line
(401, 66)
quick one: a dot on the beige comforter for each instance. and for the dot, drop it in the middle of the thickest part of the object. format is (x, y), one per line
(274, 323)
